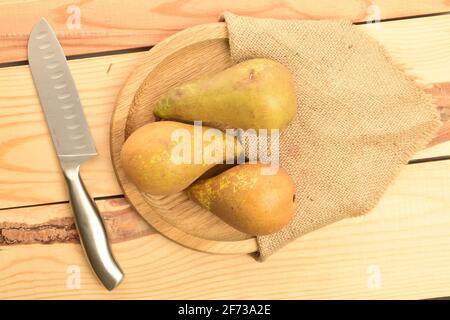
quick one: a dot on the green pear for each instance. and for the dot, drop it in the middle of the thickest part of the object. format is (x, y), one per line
(247, 199)
(165, 157)
(254, 94)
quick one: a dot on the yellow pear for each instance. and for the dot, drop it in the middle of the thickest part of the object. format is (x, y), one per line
(248, 198)
(165, 157)
(254, 94)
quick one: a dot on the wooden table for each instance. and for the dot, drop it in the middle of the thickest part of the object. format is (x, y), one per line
(400, 250)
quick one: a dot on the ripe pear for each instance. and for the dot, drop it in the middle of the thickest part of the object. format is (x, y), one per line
(165, 157)
(254, 94)
(248, 200)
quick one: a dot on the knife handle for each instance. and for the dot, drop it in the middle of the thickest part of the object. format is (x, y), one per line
(91, 230)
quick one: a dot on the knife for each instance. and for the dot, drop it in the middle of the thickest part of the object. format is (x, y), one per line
(73, 145)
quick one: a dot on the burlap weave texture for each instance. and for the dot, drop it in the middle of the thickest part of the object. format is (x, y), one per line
(359, 119)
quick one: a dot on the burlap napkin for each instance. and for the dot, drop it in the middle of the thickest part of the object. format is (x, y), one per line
(359, 117)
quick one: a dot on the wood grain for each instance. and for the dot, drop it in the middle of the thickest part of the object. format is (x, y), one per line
(24, 134)
(441, 94)
(404, 242)
(53, 223)
(111, 25)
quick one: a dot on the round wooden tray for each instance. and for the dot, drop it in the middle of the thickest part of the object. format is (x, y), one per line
(184, 56)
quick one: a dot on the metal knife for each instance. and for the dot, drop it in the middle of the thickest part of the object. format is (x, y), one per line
(73, 144)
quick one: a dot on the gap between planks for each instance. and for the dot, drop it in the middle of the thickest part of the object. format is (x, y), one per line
(33, 218)
(403, 238)
(146, 48)
(104, 26)
(99, 79)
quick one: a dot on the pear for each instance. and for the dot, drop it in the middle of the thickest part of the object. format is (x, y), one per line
(165, 157)
(254, 94)
(247, 199)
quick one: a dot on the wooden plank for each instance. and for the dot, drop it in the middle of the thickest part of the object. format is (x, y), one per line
(53, 223)
(24, 134)
(399, 250)
(105, 26)
(427, 60)
(441, 94)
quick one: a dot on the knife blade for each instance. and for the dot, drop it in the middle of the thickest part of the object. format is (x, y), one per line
(73, 143)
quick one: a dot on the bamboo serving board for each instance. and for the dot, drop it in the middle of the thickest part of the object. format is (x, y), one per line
(184, 56)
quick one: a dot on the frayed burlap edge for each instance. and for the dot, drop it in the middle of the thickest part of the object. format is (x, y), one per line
(430, 128)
